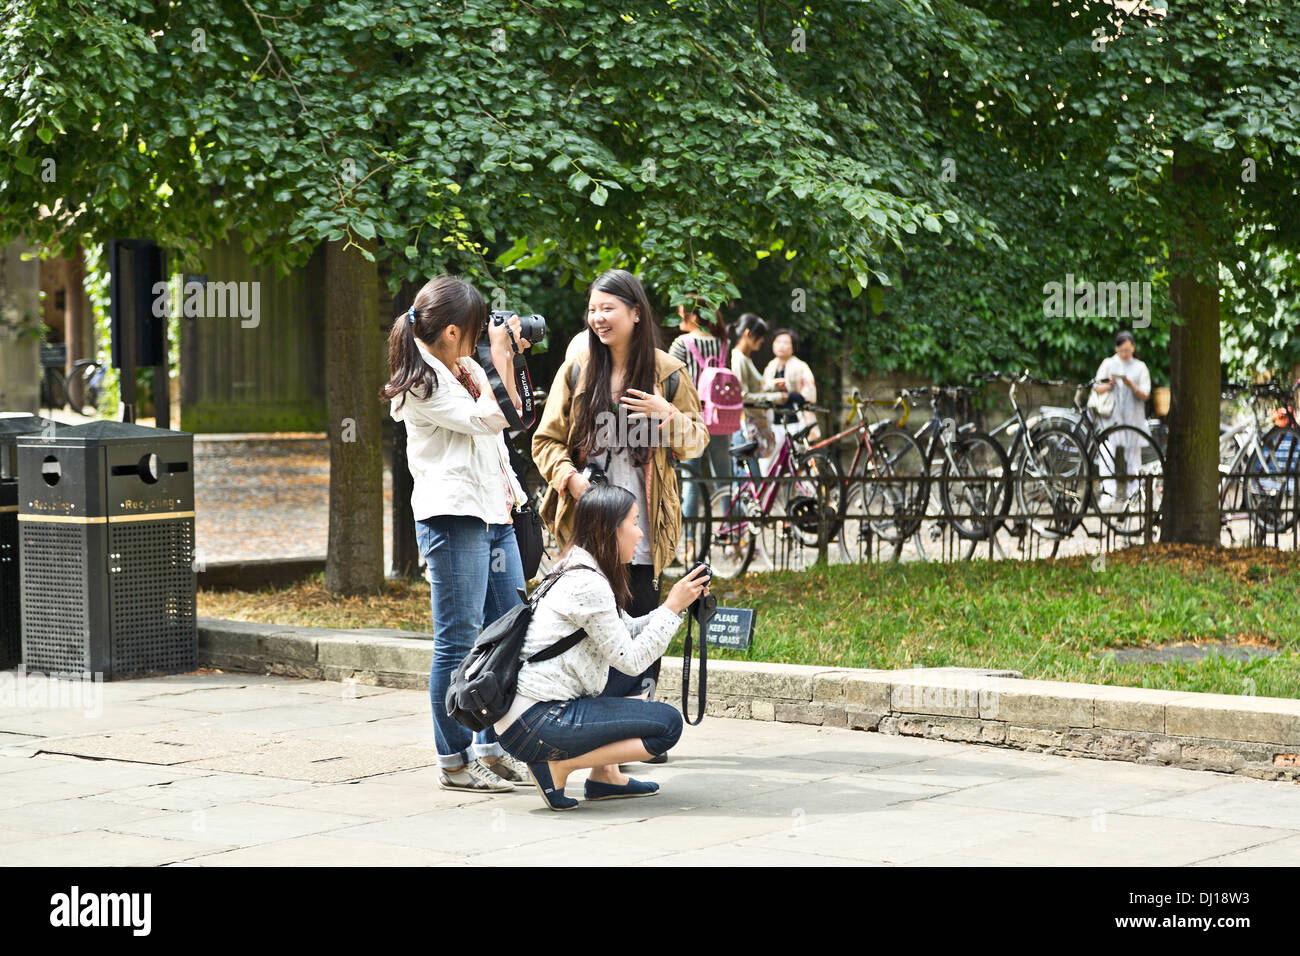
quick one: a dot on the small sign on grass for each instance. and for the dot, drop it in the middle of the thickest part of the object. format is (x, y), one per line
(731, 627)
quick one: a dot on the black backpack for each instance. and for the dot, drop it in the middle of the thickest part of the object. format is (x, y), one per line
(483, 686)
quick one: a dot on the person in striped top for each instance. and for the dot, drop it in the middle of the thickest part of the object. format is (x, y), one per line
(715, 463)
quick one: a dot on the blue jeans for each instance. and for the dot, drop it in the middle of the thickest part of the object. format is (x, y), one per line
(562, 729)
(475, 568)
(714, 463)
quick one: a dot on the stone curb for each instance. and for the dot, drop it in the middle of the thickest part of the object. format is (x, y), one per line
(1254, 736)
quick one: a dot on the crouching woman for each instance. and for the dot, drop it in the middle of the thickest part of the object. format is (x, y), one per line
(559, 721)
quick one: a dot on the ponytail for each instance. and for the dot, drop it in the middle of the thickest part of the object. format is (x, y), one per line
(444, 301)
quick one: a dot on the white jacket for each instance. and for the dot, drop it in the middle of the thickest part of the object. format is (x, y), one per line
(582, 598)
(456, 449)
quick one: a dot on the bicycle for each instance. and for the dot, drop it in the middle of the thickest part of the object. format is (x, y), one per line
(890, 504)
(1126, 514)
(57, 390)
(974, 507)
(1262, 468)
(755, 504)
(1050, 464)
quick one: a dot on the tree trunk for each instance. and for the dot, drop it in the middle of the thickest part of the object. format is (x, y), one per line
(1191, 496)
(354, 365)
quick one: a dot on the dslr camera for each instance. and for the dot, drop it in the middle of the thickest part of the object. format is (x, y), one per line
(531, 327)
(595, 474)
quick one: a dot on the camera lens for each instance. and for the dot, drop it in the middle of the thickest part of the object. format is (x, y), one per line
(533, 328)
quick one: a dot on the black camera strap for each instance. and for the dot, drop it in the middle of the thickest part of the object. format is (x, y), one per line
(706, 612)
(523, 383)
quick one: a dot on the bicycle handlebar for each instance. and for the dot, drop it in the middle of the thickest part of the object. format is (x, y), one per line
(794, 407)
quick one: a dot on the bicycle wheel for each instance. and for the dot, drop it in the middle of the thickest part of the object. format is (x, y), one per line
(1270, 484)
(976, 507)
(818, 498)
(693, 542)
(734, 537)
(1119, 494)
(892, 499)
(1052, 481)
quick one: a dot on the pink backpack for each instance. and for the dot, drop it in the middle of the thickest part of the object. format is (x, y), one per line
(722, 400)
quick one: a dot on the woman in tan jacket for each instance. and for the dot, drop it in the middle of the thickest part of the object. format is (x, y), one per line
(624, 407)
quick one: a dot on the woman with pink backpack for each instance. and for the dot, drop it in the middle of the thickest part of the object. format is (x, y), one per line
(707, 359)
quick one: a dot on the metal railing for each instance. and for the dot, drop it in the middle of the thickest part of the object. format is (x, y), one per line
(886, 520)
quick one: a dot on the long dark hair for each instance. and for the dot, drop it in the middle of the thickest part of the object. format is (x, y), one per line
(444, 301)
(749, 322)
(599, 512)
(594, 404)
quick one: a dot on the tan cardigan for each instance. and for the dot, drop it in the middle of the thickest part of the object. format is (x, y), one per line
(685, 436)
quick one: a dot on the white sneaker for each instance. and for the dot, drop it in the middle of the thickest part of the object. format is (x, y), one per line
(510, 769)
(474, 777)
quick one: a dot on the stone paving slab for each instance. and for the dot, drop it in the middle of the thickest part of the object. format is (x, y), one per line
(735, 792)
(302, 758)
(168, 745)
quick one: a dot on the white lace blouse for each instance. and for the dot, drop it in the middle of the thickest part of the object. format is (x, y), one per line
(582, 598)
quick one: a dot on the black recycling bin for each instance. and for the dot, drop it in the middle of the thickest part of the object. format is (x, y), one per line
(11, 632)
(106, 550)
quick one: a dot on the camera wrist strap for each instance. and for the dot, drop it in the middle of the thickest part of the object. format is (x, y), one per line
(686, 670)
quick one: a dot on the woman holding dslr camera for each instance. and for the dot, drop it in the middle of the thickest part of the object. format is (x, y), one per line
(564, 717)
(617, 413)
(464, 492)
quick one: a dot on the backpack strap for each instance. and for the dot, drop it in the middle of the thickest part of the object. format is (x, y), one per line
(564, 643)
(699, 357)
(558, 648)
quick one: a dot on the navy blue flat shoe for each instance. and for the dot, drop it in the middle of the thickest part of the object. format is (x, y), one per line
(555, 799)
(595, 790)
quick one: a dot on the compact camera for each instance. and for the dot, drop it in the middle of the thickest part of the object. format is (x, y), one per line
(705, 605)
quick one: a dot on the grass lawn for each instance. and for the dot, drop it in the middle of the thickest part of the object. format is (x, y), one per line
(1043, 618)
